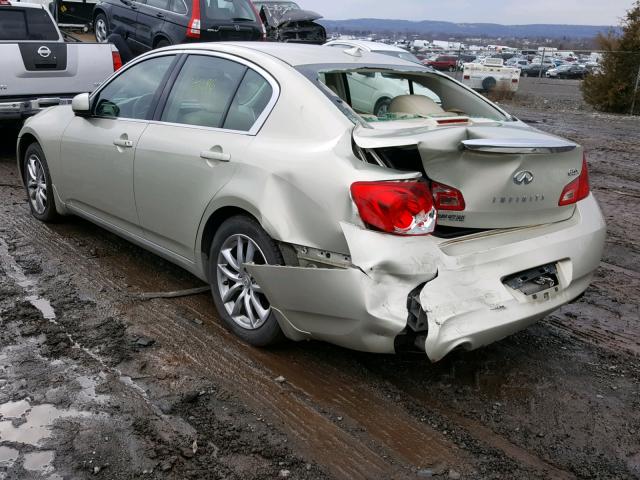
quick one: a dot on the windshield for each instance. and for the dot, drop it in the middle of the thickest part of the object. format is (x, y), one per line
(233, 10)
(379, 94)
(403, 55)
(26, 24)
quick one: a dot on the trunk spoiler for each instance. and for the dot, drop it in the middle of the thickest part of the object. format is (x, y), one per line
(489, 139)
(516, 145)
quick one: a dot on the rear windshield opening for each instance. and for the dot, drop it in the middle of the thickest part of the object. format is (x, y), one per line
(231, 10)
(27, 24)
(384, 95)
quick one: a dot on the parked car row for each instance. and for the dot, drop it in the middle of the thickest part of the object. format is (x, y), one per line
(149, 24)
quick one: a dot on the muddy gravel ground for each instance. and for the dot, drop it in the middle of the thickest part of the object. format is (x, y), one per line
(97, 383)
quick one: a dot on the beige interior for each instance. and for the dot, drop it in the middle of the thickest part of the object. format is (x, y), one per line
(415, 105)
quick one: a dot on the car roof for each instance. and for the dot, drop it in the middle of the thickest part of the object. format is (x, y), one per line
(370, 46)
(296, 54)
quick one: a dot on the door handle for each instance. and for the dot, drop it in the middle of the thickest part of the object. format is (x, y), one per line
(215, 154)
(160, 15)
(121, 142)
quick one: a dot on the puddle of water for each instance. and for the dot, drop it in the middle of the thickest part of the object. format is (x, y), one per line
(8, 457)
(41, 462)
(88, 390)
(15, 272)
(14, 409)
(37, 427)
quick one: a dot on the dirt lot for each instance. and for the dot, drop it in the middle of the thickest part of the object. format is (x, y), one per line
(97, 383)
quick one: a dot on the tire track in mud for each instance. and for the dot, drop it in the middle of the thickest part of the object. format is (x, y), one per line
(396, 433)
(393, 436)
(312, 386)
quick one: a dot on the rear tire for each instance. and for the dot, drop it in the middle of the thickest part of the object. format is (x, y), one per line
(101, 28)
(238, 298)
(37, 182)
(163, 43)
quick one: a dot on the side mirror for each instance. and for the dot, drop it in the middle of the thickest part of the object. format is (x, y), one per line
(81, 105)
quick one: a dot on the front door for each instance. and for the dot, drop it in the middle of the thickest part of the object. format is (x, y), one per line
(98, 152)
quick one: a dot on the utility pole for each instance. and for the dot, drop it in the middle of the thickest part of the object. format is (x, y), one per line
(544, 51)
(635, 93)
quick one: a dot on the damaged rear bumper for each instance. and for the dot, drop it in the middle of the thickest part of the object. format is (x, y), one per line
(465, 300)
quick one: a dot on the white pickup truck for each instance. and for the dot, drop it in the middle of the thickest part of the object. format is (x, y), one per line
(491, 74)
(38, 68)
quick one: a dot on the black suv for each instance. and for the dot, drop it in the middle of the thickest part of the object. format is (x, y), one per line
(148, 24)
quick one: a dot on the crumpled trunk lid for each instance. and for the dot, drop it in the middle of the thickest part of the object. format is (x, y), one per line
(510, 176)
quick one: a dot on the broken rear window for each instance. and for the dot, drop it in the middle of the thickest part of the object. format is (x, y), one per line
(386, 94)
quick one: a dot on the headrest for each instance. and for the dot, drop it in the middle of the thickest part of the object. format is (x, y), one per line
(415, 104)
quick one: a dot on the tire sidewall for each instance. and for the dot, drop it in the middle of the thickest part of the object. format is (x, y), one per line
(50, 214)
(269, 333)
(380, 103)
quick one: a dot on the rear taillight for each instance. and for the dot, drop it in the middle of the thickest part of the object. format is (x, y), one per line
(5, 2)
(447, 198)
(578, 189)
(400, 208)
(467, 77)
(193, 28)
(117, 60)
(259, 20)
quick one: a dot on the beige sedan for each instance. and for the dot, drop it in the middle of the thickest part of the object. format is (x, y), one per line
(430, 226)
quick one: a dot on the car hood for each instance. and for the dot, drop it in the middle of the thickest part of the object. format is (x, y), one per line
(277, 17)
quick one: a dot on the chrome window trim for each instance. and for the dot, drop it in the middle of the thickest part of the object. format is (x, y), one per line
(262, 118)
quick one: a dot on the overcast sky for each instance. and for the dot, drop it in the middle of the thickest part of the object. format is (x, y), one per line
(577, 12)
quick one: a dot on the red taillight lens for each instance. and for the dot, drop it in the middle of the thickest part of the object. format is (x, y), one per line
(401, 208)
(447, 198)
(578, 189)
(117, 60)
(467, 77)
(193, 28)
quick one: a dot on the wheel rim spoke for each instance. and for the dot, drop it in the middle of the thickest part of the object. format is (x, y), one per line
(262, 312)
(229, 274)
(229, 294)
(239, 254)
(249, 309)
(226, 253)
(239, 303)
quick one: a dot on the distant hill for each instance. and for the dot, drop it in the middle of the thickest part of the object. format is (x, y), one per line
(492, 30)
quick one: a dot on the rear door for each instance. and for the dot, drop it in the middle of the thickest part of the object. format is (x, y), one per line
(196, 145)
(151, 17)
(124, 15)
(226, 20)
(97, 152)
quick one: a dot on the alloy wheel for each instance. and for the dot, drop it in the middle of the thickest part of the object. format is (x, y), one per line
(36, 184)
(242, 297)
(101, 31)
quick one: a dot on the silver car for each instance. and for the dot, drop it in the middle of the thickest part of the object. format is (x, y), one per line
(431, 227)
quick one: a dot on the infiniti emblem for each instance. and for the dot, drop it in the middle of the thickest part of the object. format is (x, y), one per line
(524, 177)
(44, 51)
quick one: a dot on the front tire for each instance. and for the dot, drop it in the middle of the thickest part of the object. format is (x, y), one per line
(37, 182)
(240, 301)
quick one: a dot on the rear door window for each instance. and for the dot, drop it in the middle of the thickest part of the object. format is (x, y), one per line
(231, 10)
(26, 24)
(203, 91)
(252, 98)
